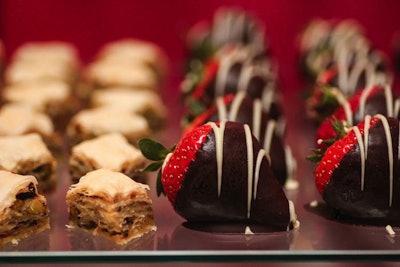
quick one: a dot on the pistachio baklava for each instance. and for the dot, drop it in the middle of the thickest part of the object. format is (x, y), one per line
(23, 211)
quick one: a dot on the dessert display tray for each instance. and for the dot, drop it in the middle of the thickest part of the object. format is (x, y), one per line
(319, 238)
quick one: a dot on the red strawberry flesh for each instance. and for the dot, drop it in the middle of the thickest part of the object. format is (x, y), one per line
(326, 130)
(175, 168)
(203, 118)
(334, 155)
(210, 72)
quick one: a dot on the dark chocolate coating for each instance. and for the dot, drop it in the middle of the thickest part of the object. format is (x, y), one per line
(277, 151)
(198, 200)
(255, 89)
(375, 104)
(372, 204)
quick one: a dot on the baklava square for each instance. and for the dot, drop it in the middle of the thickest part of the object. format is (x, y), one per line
(112, 205)
(90, 123)
(19, 119)
(28, 155)
(146, 103)
(23, 211)
(110, 151)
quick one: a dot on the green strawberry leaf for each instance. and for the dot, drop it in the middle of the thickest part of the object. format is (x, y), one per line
(316, 156)
(153, 166)
(196, 107)
(153, 150)
(340, 132)
(339, 128)
(159, 186)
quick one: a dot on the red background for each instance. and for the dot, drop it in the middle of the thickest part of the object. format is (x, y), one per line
(89, 24)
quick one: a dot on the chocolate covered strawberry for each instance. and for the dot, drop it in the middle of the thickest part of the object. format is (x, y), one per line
(219, 173)
(228, 26)
(267, 127)
(359, 174)
(372, 100)
(232, 70)
(353, 74)
(319, 41)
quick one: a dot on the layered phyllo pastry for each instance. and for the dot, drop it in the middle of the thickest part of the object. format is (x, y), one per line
(110, 151)
(90, 123)
(112, 205)
(28, 154)
(146, 103)
(23, 210)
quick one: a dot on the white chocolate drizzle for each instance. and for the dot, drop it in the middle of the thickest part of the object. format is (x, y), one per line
(248, 231)
(250, 160)
(221, 107)
(389, 230)
(260, 156)
(389, 101)
(257, 117)
(234, 110)
(249, 70)
(293, 216)
(362, 153)
(398, 144)
(396, 108)
(390, 154)
(346, 107)
(268, 135)
(363, 144)
(219, 147)
(363, 99)
(253, 173)
(367, 121)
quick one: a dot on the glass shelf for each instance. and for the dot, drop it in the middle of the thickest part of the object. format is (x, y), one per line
(317, 239)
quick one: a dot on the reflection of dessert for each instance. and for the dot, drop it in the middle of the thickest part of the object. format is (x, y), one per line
(268, 131)
(226, 238)
(27, 154)
(219, 173)
(23, 210)
(110, 151)
(83, 241)
(112, 205)
(359, 174)
(90, 123)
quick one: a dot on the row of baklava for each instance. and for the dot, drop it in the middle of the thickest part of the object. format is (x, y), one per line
(102, 109)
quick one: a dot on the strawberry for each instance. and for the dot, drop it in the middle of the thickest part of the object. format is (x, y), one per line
(207, 177)
(369, 101)
(358, 175)
(228, 26)
(233, 69)
(241, 108)
(321, 102)
(355, 74)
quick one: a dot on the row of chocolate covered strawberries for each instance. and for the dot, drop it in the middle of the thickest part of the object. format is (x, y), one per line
(54, 107)
(355, 108)
(232, 164)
